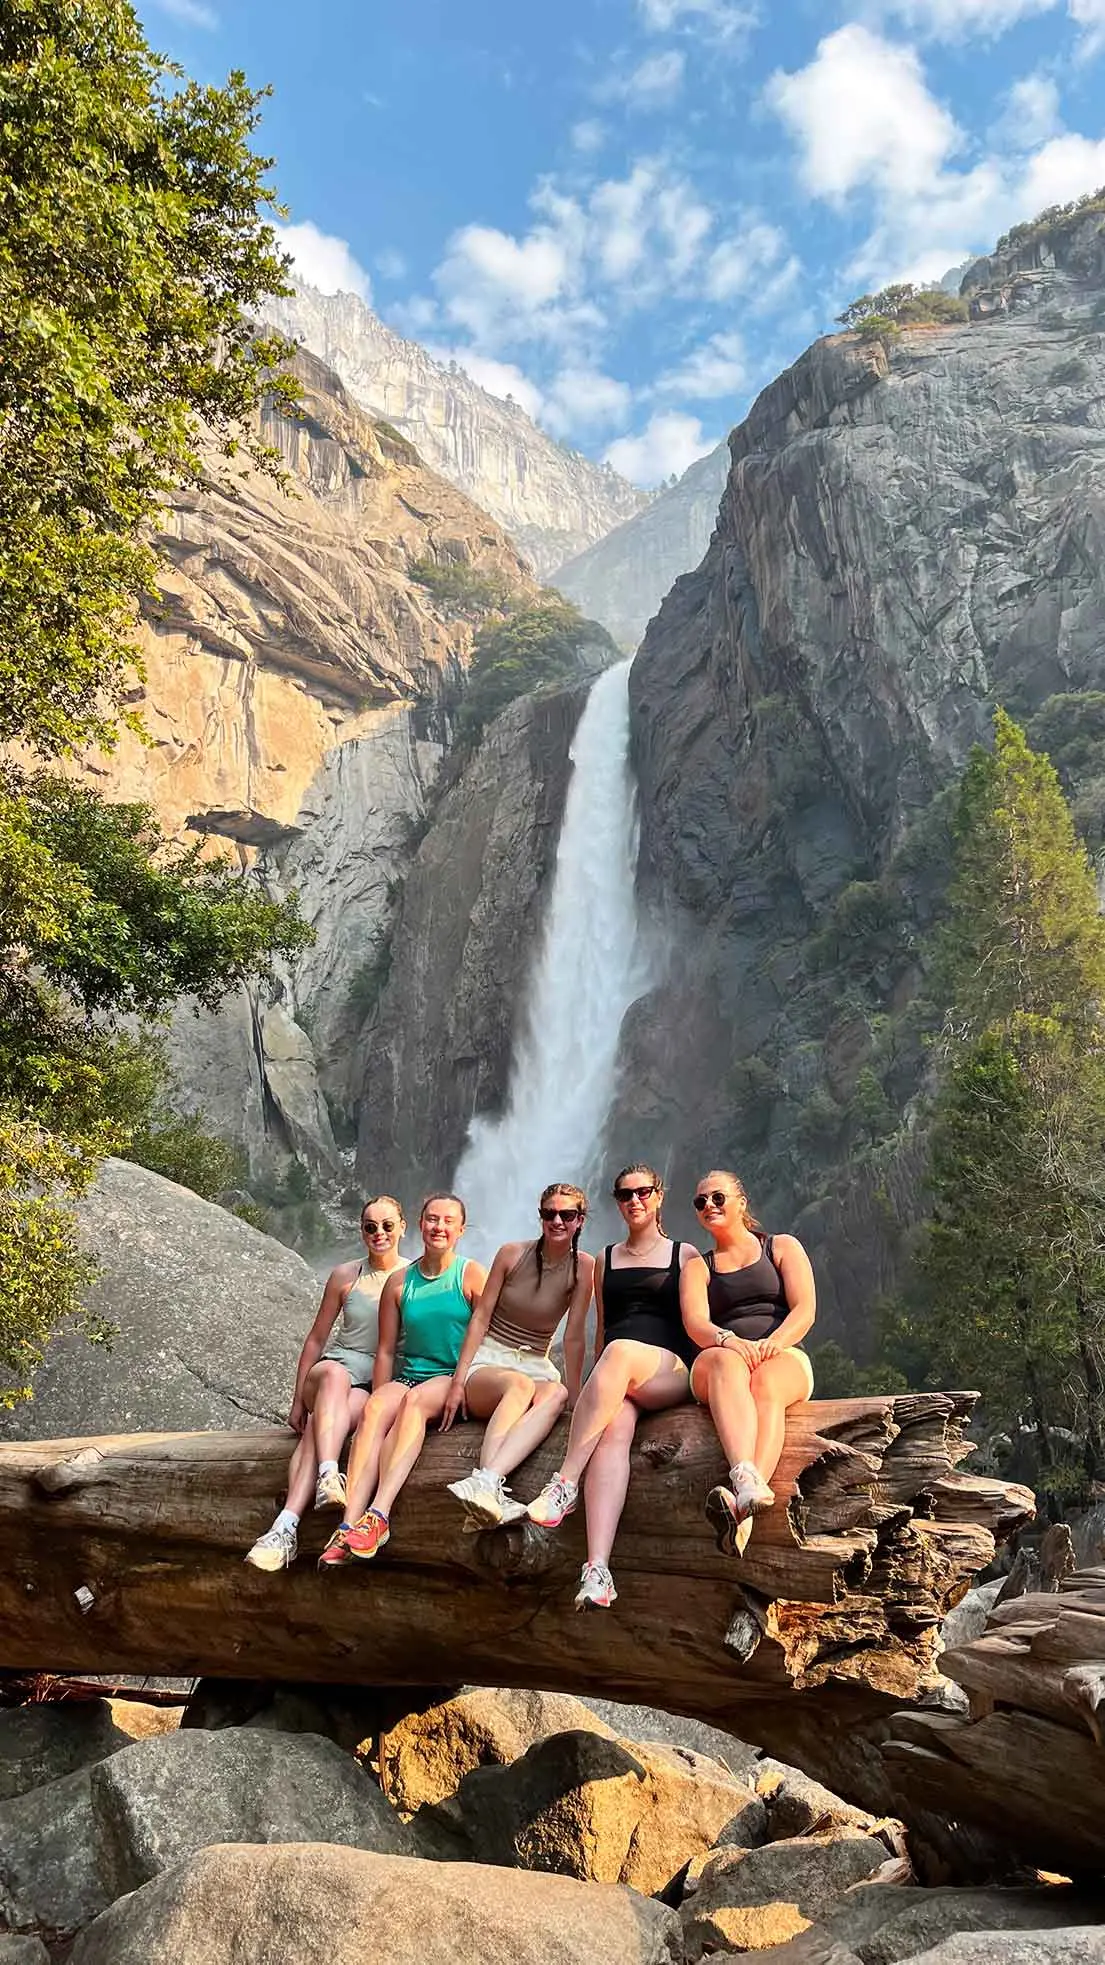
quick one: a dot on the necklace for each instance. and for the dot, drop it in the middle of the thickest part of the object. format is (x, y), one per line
(654, 1244)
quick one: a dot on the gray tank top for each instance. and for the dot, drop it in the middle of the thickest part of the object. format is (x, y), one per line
(359, 1326)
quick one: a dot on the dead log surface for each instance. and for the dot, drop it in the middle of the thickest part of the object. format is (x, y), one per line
(1029, 1760)
(875, 1534)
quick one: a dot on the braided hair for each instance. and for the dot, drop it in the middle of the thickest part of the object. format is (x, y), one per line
(577, 1195)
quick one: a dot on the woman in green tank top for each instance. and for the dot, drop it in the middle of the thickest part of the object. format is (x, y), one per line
(429, 1306)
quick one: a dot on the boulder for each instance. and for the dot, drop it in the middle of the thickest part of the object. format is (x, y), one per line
(320, 1905)
(606, 1810)
(70, 1849)
(424, 1757)
(968, 1619)
(23, 1951)
(797, 1805)
(882, 1925)
(349, 1715)
(41, 1743)
(1081, 1945)
(648, 1724)
(210, 1316)
(741, 1899)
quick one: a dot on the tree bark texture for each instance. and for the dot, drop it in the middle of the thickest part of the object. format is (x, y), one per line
(1029, 1761)
(125, 1555)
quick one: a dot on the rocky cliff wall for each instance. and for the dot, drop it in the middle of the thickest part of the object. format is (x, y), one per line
(436, 1047)
(910, 533)
(553, 502)
(622, 580)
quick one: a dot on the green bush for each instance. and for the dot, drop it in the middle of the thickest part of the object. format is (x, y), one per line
(464, 590)
(880, 315)
(545, 646)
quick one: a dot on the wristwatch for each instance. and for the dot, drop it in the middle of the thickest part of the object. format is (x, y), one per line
(720, 1336)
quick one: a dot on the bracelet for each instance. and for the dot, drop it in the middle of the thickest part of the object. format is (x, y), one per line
(721, 1336)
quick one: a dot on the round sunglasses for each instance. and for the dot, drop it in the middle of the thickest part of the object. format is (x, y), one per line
(378, 1227)
(712, 1200)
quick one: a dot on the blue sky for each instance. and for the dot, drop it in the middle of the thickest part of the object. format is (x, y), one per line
(632, 213)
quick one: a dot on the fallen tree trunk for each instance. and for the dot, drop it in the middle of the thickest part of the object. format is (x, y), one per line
(1029, 1759)
(125, 1555)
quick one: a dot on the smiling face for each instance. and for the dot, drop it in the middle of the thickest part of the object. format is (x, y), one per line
(720, 1203)
(442, 1223)
(382, 1227)
(562, 1211)
(639, 1193)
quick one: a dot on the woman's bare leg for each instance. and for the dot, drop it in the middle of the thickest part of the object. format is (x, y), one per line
(607, 1483)
(624, 1370)
(404, 1441)
(777, 1384)
(522, 1415)
(723, 1383)
(364, 1455)
(326, 1392)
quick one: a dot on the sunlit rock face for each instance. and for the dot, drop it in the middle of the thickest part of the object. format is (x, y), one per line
(552, 501)
(910, 534)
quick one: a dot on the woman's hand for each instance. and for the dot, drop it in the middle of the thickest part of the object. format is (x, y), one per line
(769, 1347)
(297, 1418)
(745, 1348)
(455, 1402)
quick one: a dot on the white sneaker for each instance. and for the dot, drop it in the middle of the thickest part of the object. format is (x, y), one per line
(751, 1489)
(596, 1587)
(330, 1490)
(558, 1499)
(277, 1548)
(482, 1496)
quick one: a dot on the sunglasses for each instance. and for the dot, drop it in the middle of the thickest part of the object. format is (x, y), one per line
(714, 1200)
(566, 1215)
(624, 1194)
(378, 1227)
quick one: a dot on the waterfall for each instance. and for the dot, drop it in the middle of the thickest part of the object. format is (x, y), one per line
(590, 967)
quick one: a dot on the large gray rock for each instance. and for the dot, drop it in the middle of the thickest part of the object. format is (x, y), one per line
(23, 1951)
(210, 1315)
(968, 1619)
(426, 1754)
(41, 1743)
(743, 1899)
(1084, 1946)
(70, 1849)
(606, 1811)
(798, 1805)
(884, 1924)
(648, 1724)
(325, 1906)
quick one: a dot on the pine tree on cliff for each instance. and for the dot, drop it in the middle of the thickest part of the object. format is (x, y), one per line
(1013, 1259)
(133, 248)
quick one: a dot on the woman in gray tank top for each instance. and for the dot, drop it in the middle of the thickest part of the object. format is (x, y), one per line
(504, 1373)
(333, 1382)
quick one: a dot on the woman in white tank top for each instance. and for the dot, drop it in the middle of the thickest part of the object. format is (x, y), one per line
(333, 1382)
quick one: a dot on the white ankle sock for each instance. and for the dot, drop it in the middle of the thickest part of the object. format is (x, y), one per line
(287, 1518)
(327, 1467)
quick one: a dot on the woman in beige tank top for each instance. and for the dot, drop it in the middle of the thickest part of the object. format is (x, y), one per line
(504, 1373)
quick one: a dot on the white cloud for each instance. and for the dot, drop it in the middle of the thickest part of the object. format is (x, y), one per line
(1031, 113)
(1089, 15)
(962, 20)
(192, 13)
(587, 136)
(740, 261)
(653, 84)
(718, 368)
(860, 111)
(585, 399)
(669, 442)
(721, 20)
(390, 264)
(324, 261)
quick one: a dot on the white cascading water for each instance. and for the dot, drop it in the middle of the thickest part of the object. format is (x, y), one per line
(590, 968)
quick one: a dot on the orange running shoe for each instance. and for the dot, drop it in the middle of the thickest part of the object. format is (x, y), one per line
(337, 1549)
(367, 1537)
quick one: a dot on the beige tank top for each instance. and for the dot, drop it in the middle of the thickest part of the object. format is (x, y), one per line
(530, 1307)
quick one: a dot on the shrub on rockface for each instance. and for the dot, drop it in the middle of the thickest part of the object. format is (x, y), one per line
(541, 647)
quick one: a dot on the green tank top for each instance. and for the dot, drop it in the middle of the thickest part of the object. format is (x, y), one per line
(433, 1317)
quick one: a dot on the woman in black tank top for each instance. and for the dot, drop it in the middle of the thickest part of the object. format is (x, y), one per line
(643, 1352)
(747, 1311)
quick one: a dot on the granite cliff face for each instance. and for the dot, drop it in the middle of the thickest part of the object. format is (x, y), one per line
(622, 580)
(295, 672)
(910, 533)
(436, 1046)
(553, 502)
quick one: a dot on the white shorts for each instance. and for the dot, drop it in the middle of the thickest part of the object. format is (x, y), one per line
(500, 1357)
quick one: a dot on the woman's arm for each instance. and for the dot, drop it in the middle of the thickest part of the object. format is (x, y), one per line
(473, 1282)
(694, 1302)
(575, 1330)
(338, 1285)
(477, 1328)
(383, 1371)
(795, 1269)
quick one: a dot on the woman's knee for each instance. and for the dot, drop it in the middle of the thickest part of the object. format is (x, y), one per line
(550, 1397)
(618, 1431)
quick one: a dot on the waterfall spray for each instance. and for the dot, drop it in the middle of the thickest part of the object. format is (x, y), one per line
(590, 967)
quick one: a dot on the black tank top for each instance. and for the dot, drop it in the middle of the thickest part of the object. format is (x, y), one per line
(751, 1302)
(643, 1304)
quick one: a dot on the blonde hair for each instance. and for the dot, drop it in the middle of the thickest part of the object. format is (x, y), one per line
(747, 1216)
(639, 1167)
(384, 1200)
(580, 1199)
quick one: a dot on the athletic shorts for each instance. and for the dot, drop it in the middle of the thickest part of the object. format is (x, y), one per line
(798, 1353)
(501, 1357)
(357, 1363)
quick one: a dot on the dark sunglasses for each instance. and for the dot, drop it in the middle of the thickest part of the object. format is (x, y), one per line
(709, 1200)
(378, 1227)
(566, 1215)
(623, 1194)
